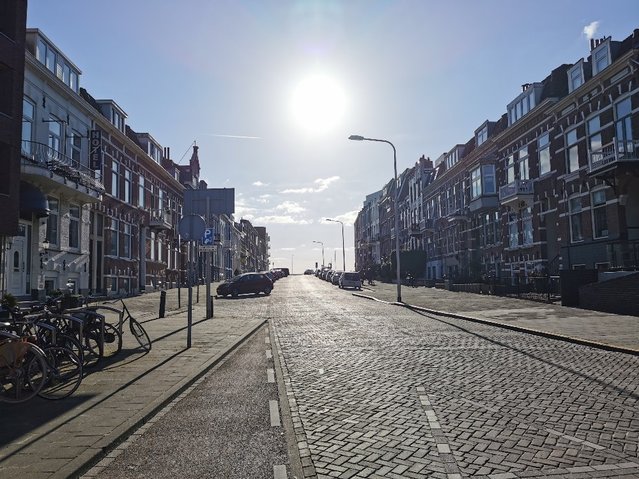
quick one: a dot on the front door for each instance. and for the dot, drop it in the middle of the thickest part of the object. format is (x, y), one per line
(17, 263)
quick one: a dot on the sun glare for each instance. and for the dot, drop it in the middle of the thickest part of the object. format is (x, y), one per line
(318, 103)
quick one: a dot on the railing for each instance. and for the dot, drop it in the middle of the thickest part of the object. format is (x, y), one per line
(611, 153)
(160, 218)
(46, 157)
(427, 224)
(516, 188)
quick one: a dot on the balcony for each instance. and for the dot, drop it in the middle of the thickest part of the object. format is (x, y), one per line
(457, 215)
(484, 202)
(160, 220)
(415, 230)
(605, 161)
(518, 194)
(50, 170)
(427, 225)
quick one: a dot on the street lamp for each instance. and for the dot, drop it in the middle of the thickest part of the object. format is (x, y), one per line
(343, 250)
(319, 242)
(399, 280)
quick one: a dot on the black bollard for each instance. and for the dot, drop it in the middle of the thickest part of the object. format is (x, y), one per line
(162, 303)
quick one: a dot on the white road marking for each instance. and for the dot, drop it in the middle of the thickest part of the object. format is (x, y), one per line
(274, 409)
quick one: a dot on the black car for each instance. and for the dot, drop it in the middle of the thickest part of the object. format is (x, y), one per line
(246, 283)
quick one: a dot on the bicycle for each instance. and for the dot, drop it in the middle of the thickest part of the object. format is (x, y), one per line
(136, 329)
(23, 368)
(113, 333)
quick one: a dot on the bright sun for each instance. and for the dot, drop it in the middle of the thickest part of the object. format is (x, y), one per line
(318, 103)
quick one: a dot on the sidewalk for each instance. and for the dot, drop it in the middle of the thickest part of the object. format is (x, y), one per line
(611, 331)
(43, 439)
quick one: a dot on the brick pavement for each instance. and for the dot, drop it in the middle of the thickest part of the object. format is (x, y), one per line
(600, 328)
(44, 439)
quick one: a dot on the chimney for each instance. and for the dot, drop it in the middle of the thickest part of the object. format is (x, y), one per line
(592, 44)
(525, 87)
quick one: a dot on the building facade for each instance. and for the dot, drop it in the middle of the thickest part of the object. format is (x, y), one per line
(551, 185)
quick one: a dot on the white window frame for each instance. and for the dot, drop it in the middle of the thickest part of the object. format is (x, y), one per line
(75, 214)
(597, 206)
(510, 169)
(599, 55)
(53, 221)
(575, 219)
(575, 77)
(482, 135)
(115, 179)
(522, 160)
(572, 151)
(543, 153)
(27, 125)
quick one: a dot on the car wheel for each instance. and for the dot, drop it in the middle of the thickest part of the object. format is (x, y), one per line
(234, 293)
(267, 290)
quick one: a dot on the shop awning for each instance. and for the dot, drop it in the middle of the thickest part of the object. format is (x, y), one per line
(32, 202)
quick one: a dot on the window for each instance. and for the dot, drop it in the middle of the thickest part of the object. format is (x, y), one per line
(475, 183)
(125, 246)
(50, 59)
(113, 237)
(28, 117)
(524, 173)
(513, 231)
(127, 185)
(55, 133)
(115, 182)
(488, 179)
(74, 226)
(600, 57)
(599, 217)
(141, 191)
(52, 221)
(572, 151)
(543, 149)
(576, 233)
(623, 127)
(482, 135)
(575, 77)
(510, 169)
(75, 148)
(527, 226)
(594, 134)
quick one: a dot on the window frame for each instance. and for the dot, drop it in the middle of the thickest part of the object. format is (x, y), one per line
(599, 211)
(572, 151)
(74, 239)
(52, 233)
(597, 57)
(575, 219)
(543, 154)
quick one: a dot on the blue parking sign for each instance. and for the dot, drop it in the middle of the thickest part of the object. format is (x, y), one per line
(207, 238)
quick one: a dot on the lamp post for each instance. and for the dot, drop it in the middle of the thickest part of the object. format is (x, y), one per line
(319, 242)
(343, 250)
(399, 279)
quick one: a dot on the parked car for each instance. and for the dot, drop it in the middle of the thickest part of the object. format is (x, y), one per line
(350, 280)
(309, 271)
(246, 283)
(335, 277)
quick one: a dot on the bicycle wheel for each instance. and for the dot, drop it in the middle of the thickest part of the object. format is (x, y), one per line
(93, 348)
(112, 341)
(71, 343)
(140, 334)
(24, 375)
(64, 373)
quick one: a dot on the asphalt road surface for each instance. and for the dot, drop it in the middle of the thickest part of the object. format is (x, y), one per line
(378, 391)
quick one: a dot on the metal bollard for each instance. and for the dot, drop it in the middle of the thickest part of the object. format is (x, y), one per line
(162, 303)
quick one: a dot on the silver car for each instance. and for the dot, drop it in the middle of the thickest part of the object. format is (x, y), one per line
(350, 280)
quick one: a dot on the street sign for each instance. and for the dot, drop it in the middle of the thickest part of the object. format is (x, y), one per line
(191, 227)
(207, 248)
(95, 149)
(208, 237)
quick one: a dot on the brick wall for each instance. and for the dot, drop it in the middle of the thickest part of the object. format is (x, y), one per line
(620, 296)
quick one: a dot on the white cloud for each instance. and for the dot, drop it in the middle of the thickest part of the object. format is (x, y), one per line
(290, 207)
(259, 183)
(347, 218)
(287, 249)
(591, 30)
(322, 184)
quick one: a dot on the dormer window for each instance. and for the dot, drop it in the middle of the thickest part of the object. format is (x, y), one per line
(482, 135)
(601, 57)
(56, 63)
(575, 76)
(525, 102)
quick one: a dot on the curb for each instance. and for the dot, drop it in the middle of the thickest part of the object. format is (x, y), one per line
(521, 329)
(85, 461)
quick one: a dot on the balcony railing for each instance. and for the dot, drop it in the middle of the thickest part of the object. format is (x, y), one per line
(46, 157)
(427, 225)
(518, 190)
(160, 219)
(614, 153)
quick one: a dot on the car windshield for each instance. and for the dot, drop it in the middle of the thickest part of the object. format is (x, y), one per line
(351, 276)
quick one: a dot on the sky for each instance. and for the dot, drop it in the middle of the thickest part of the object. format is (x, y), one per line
(270, 91)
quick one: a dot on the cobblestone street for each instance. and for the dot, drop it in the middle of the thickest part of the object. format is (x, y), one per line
(382, 391)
